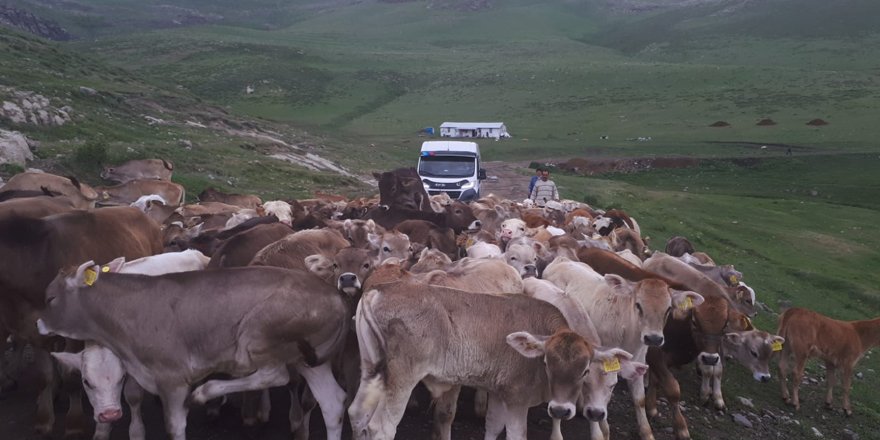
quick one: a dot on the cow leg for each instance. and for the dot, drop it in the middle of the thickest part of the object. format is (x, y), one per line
(265, 407)
(637, 390)
(481, 400)
(301, 405)
(496, 415)
(799, 364)
(717, 372)
(516, 424)
(556, 430)
(369, 397)
(328, 393)
(75, 423)
(651, 397)
(846, 375)
(249, 402)
(606, 431)
(174, 408)
(45, 400)
(831, 374)
(671, 389)
(390, 409)
(445, 403)
(266, 377)
(783, 374)
(102, 431)
(134, 396)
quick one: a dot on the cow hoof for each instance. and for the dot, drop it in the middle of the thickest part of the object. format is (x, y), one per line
(828, 406)
(848, 412)
(43, 430)
(198, 395)
(683, 434)
(720, 406)
(75, 432)
(653, 412)
(249, 421)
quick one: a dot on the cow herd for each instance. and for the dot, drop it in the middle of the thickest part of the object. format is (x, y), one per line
(352, 303)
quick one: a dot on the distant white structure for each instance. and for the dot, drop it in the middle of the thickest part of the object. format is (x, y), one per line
(494, 130)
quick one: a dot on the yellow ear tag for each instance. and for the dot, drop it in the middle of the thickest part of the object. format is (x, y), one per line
(470, 242)
(105, 269)
(89, 277)
(734, 280)
(776, 346)
(688, 303)
(611, 365)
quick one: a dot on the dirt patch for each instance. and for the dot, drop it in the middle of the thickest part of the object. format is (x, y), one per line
(817, 122)
(766, 122)
(593, 166)
(720, 124)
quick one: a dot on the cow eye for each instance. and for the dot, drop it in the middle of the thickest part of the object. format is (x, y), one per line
(335, 266)
(458, 211)
(754, 353)
(639, 308)
(512, 258)
(87, 384)
(366, 265)
(386, 249)
(49, 300)
(668, 312)
(586, 372)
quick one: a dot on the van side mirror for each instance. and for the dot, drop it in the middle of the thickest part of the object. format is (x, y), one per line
(481, 175)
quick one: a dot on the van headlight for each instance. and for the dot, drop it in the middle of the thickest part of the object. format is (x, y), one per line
(427, 187)
(467, 185)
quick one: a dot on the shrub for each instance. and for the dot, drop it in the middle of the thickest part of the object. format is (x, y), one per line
(90, 154)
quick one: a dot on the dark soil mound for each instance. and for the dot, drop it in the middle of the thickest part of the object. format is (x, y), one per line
(817, 122)
(766, 121)
(720, 124)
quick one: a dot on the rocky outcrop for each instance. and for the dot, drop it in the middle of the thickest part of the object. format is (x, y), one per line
(23, 107)
(14, 148)
(28, 22)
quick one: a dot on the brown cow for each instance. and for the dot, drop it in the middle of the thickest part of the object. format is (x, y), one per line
(128, 192)
(678, 246)
(242, 200)
(457, 216)
(612, 220)
(292, 250)
(840, 344)
(35, 207)
(240, 249)
(402, 188)
(154, 169)
(33, 250)
(83, 196)
(430, 236)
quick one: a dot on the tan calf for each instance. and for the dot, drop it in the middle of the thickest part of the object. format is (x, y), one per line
(840, 344)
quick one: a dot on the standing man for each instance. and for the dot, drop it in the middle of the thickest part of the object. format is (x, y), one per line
(544, 190)
(534, 179)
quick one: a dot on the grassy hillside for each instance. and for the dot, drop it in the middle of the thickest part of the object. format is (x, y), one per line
(111, 125)
(561, 75)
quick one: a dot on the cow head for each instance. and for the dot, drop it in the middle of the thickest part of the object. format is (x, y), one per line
(280, 209)
(460, 217)
(512, 228)
(347, 269)
(708, 324)
(605, 369)
(402, 188)
(64, 313)
(103, 377)
(431, 259)
(523, 258)
(567, 358)
(358, 231)
(753, 349)
(653, 303)
(744, 297)
(390, 244)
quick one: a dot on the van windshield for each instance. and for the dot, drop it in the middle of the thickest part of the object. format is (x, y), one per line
(447, 166)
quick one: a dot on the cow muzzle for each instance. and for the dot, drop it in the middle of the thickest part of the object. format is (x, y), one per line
(653, 340)
(110, 415)
(710, 359)
(564, 411)
(594, 414)
(530, 270)
(475, 225)
(349, 283)
(762, 377)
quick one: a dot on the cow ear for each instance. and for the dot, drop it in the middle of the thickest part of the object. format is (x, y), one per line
(86, 275)
(376, 175)
(630, 370)
(435, 277)
(686, 299)
(424, 252)
(375, 240)
(114, 266)
(316, 263)
(618, 283)
(527, 344)
(69, 362)
(346, 225)
(775, 339)
(371, 225)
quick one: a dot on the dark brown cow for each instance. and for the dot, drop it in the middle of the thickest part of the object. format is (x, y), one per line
(129, 192)
(154, 169)
(612, 220)
(32, 251)
(457, 216)
(678, 246)
(605, 262)
(243, 200)
(402, 188)
(240, 249)
(430, 236)
(840, 344)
